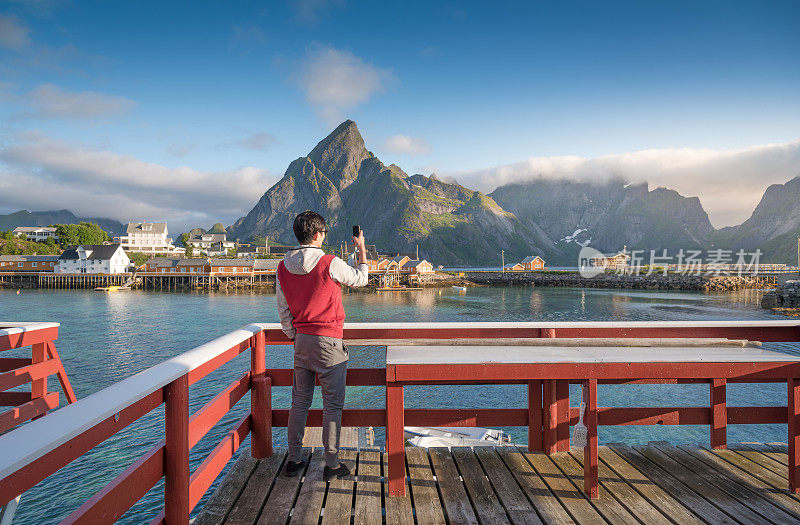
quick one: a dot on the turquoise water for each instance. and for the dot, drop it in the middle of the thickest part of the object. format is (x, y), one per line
(106, 337)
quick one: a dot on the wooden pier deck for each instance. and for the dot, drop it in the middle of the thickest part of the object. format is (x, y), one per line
(657, 483)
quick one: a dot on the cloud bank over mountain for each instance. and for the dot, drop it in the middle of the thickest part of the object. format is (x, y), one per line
(38, 172)
(729, 183)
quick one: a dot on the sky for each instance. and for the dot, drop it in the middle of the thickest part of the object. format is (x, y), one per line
(187, 112)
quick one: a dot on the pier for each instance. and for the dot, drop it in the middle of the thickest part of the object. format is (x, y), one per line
(545, 481)
(61, 280)
(658, 483)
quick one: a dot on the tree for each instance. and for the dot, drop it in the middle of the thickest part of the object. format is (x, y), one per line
(50, 242)
(8, 235)
(83, 233)
(23, 237)
(189, 250)
(184, 239)
(231, 252)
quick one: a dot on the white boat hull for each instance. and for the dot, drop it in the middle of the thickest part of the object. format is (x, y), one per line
(456, 437)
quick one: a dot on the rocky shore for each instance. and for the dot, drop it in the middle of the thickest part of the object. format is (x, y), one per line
(785, 297)
(612, 280)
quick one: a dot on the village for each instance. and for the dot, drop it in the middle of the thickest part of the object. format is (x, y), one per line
(207, 261)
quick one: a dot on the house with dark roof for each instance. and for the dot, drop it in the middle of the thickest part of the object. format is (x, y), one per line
(231, 266)
(28, 263)
(148, 237)
(94, 258)
(268, 266)
(532, 262)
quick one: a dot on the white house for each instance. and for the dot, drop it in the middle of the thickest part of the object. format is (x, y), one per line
(147, 237)
(94, 258)
(36, 233)
(211, 244)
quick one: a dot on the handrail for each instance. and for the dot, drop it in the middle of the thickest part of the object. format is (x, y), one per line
(39, 437)
(94, 419)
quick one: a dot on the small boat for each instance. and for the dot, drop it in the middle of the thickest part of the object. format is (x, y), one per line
(456, 437)
(460, 288)
(108, 289)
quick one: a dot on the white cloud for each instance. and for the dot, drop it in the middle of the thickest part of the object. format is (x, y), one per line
(309, 11)
(13, 33)
(729, 183)
(335, 81)
(42, 173)
(49, 101)
(406, 145)
(257, 141)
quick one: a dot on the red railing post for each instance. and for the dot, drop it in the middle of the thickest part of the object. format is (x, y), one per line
(794, 434)
(395, 440)
(549, 417)
(260, 399)
(590, 450)
(719, 414)
(176, 451)
(562, 417)
(39, 386)
(535, 415)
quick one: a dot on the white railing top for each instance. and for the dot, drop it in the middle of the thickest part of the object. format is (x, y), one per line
(567, 324)
(14, 328)
(35, 439)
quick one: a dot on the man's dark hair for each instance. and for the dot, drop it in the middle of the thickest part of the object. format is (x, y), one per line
(306, 225)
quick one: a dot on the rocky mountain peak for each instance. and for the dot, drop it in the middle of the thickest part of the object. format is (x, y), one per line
(340, 154)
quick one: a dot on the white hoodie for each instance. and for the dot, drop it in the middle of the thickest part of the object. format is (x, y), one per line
(302, 259)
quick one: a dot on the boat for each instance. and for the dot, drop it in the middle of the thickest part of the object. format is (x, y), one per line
(460, 288)
(396, 289)
(108, 289)
(456, 437)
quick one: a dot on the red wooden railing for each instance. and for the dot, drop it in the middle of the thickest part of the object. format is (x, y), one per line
(18, 371)
(42, 447)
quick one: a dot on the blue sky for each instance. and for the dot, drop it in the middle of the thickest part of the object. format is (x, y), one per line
(188, 112)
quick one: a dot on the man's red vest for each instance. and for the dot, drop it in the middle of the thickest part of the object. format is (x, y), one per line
(315, 300)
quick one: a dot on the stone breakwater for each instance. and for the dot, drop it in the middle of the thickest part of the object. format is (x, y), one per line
(785, 296)
(611, 280)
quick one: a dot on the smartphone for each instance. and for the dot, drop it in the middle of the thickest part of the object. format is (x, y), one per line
(356, 231)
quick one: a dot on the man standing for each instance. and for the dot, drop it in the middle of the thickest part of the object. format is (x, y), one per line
(309, 295)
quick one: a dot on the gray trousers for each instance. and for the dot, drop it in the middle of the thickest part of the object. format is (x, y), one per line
(332, 379)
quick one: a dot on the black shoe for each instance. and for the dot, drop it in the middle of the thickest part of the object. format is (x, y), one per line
(293, 468)
(338, 472)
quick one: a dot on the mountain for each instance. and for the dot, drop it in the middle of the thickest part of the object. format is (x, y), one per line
(347, 184)
(773, 227)
(608, 215)
(44, 218)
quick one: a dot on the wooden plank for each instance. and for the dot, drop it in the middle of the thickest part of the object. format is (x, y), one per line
(754, 469)
(545, 503)
(312, 492)
(634, 503)
(781, 499)
(398, 508)
(484, 501)
(424, 495)
(511, 496)
(368, 487)
(339, 503)
(454, 497)
(781, 457)
(687, 497)
(348, 438)
(610, 508)
(571, 498)
(282, 497)
(248, 505)
(651, 492)
(222, 500)
(757, 457)
(702, 486)
(738, 490)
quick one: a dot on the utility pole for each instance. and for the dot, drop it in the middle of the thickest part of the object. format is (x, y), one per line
(503, 262)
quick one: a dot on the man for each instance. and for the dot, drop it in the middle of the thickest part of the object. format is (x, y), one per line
(309, 297)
